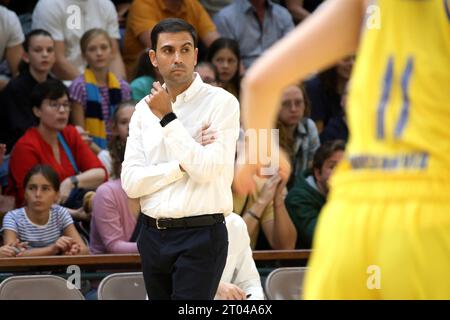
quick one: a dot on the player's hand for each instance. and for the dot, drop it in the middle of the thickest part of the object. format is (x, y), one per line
(229, 291)
(159, 100)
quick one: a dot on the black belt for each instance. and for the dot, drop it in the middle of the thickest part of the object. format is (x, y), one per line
(187, 222)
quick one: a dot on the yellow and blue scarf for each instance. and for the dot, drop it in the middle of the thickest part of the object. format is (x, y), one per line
(94, 122)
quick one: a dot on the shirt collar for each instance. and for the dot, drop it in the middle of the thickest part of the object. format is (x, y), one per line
(301, 130)
(191, 91)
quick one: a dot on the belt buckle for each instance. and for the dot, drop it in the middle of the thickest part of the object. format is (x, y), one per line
(159, 227)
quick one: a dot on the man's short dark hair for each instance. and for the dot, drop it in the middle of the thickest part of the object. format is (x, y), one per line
(172, 25)
(325, 151)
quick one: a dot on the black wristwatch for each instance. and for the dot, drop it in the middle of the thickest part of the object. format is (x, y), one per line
(74, 181)
(167, 119)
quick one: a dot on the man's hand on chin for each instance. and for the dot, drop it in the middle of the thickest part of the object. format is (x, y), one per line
(159, 101)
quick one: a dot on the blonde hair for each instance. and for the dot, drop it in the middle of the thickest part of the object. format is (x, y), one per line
(90, 34)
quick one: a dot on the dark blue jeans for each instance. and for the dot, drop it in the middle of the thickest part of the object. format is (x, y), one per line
(183, 263)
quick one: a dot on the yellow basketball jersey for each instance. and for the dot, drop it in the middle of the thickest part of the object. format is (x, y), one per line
(399, 100)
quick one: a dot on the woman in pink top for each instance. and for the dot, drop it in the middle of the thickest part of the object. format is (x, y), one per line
(113, 222)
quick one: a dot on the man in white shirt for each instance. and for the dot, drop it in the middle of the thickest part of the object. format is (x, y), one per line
(67, 21)
(240, 278)
(184, 187)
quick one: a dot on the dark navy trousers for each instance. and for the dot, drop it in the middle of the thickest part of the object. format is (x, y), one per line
(183, 263)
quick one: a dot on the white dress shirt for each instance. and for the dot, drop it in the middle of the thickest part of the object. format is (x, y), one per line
(151, 169)
(240, 268)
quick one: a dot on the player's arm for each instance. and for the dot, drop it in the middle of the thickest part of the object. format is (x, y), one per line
(328, 35)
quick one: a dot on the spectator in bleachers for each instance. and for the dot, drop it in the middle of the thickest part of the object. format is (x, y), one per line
(67, 21)
(337, 128)
(240, 276)
(145, 14)
(264, 210)
(308, 195)
(224, 54)
(47, 228)
(144, 76)
(24, 10)
(57, 144)
(11, 39)
(254, 24)
(120, 122)
(325, 91)
(16, 110)
(97, 92)
(208, 72)
(298, 133)
(113, 223)
(122, 8)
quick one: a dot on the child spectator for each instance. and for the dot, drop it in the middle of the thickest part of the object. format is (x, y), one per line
(113, 157)
(97, 92)
(47, 228)
(113, 223)
(224, 54)
(16, 111)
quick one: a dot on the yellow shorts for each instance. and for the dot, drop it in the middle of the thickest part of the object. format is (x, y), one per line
(385, 238)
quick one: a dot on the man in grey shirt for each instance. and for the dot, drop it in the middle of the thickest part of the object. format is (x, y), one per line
(255, 24)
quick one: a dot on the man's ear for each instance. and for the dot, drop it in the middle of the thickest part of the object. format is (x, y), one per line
(195, 56)
(152, 56)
